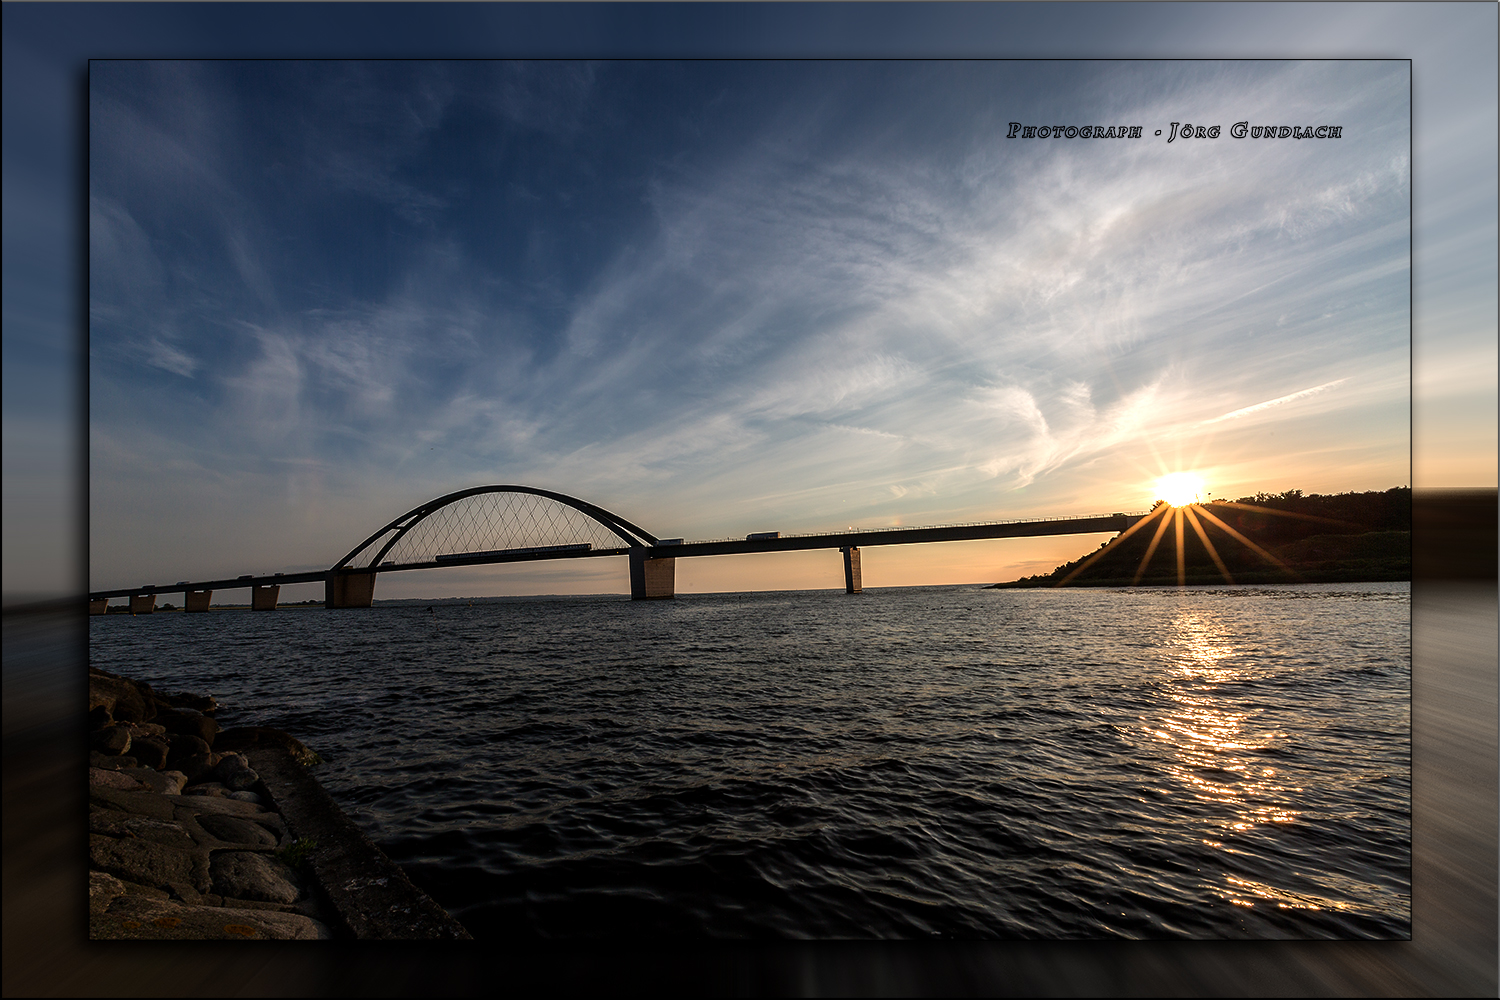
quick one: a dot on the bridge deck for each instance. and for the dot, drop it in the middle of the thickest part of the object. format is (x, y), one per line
(855, 538)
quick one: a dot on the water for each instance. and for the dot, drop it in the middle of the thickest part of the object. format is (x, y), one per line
(1218, 762)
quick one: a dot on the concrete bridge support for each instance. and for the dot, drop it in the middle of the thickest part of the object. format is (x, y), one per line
(142, 604)
(99, 607)
(853, 583)
(196, 600)
(263, 597)
(349, 590)
(651, 579)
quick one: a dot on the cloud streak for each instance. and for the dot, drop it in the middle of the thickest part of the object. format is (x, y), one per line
(1245, 411)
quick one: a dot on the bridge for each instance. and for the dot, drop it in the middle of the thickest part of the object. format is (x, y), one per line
(502, 524)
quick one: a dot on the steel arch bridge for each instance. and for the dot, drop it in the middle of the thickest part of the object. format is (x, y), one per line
(483, 525)
(488, 521)
(509, 523)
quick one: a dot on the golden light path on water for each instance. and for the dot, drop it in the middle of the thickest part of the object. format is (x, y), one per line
(1212, 752)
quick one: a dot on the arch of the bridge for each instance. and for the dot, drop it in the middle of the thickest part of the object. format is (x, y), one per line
(401, 528)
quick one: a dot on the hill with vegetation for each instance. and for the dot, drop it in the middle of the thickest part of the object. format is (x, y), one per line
(1290, 537)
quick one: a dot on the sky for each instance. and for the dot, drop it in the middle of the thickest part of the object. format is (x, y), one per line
(717, 297)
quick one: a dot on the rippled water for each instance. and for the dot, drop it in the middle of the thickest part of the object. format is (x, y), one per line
(906, 763)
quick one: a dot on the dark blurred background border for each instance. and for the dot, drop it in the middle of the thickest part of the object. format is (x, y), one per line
(1453, 950)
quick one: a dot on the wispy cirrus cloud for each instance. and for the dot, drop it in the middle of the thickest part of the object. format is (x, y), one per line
(1245, 411)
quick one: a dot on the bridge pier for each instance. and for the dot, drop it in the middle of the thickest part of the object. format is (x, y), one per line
(196, 600)
(853, 582)
(349, 590)
(263, 596)
(99, 607)
(142, 604)
(652, 579)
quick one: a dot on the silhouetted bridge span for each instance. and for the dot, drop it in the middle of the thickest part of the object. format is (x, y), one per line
(502, 524)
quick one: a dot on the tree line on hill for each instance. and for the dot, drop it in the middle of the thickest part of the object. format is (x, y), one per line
(1291, 537)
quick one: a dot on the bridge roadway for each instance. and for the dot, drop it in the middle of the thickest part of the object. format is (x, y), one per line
(652, 567)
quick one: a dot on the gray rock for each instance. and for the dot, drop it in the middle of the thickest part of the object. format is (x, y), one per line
(181, 746)
(252, 738)
(196, 702)
(139, 729)
(254, 876)
(198, 767)
(234, 830)
(183, 872)
(99, 777)
(113, 740)
(103, 889)
(137, 917)
(235, 773)
(152, 779)
(151, 751)
(142, 802)
(207, 789)
(187, 722)
(245, 797)
(110, 763)
(122, 824)
(120, 697)
(198, 805)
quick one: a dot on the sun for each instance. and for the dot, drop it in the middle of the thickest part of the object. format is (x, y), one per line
(1180, 488)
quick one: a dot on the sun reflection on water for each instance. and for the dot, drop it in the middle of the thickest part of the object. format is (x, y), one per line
(1214, 751)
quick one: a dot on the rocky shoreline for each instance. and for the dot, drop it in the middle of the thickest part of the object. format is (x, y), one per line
(200, 834)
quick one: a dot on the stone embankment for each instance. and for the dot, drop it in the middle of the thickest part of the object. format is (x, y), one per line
(200, 834)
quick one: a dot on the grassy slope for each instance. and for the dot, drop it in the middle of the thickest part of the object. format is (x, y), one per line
(1336, 538)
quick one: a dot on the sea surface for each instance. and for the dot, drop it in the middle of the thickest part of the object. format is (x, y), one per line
(952, 762)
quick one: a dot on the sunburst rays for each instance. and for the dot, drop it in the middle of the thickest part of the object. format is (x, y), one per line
(1192, 514)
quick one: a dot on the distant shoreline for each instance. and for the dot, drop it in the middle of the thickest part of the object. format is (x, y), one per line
(1202, 580)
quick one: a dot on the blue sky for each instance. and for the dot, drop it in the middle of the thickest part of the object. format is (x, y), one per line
(718, 297)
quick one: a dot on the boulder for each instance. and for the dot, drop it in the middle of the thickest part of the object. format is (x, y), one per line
(188, 722)
(198, 767)
(183, 872)
(234, 772)
(139, 729)
(253, 737)
(151, 751)
(182, 699)
(103, 888)
(112, 823)
(110, 762)
(99, 777)
(113, 740)
(140, 917)
(153, 779)
(121, 698)
(181, 746)
(235, 830)
(198, 805)
(206, 789)
(254, 876)
(139, 801)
